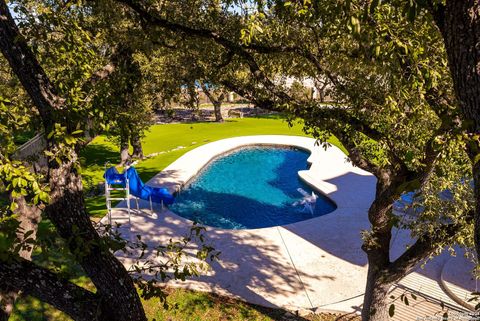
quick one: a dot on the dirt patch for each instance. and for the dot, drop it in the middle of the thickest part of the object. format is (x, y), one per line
(206, 113)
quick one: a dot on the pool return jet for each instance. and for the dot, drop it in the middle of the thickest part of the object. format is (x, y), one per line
(130, 182)
(308, 201)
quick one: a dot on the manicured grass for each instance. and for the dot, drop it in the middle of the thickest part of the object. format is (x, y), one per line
(165, 138)
(202, 306)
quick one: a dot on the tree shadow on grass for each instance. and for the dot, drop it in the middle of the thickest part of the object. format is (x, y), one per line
(199, 302)
(93, 159)
(98, 154)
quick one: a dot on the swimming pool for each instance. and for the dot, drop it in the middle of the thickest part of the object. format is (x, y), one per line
(251, 187)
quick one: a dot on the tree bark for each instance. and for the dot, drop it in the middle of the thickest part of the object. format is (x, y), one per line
(375, 306)
(124, 155)
(136, 143)
(115, 287)
(39, 282)
(377, 248)
(459, 23)
(217, 108)
(382, 273)
(216, 101)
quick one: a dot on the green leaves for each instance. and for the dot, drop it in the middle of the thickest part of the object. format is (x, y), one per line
(8, 236)
(391, 310)
(355, 24)
(17, 181)
(13, 118)
(373, 5)
(253, 28)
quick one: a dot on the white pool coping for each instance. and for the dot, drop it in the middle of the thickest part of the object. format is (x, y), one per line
(177, 174)
(312, 264)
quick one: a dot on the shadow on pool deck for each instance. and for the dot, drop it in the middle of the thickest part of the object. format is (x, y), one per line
(339, 232)
(251, 266)
(284, 266)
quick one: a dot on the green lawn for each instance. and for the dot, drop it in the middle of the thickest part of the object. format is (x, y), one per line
(165, 138)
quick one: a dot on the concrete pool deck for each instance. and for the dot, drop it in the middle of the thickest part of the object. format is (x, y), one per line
(315, 264)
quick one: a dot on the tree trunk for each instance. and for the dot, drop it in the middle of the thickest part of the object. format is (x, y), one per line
(377, 247)
(218, 111)
(216, 101)
(124, 155)
(321, 91)
(375, 306)
(115, 288)
(375, 300)
(459, 22)
(77, 302)
(136, 143)
(382, 273)
(29, 218)
(114, 285)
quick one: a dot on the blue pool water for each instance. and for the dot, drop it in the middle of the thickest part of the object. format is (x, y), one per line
(248, 188)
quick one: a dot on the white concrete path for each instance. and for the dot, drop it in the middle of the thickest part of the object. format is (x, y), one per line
(313, 264)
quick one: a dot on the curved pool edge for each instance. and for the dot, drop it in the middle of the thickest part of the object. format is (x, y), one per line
(179, 173)
(290, 266)
(179, 188)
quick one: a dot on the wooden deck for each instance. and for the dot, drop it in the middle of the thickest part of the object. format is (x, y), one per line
(431, 301)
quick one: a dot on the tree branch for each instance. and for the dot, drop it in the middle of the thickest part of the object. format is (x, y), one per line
(431, 154)
(355, 154)
(206, 91)
(299, 51)
(153, 19)
(101, 74)
(31, 74)
(31, 279)
(338, 114)
(246, 92)
(422, 249)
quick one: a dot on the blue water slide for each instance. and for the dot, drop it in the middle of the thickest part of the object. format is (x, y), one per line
(145, 192)
(113, 177)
